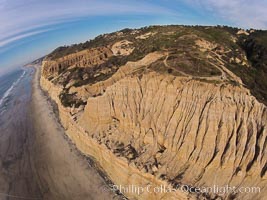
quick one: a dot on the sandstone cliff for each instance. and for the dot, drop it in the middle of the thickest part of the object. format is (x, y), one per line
(164, 106)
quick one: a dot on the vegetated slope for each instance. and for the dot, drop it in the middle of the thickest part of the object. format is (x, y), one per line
(254, 46)
(176, 102)
(35, 62)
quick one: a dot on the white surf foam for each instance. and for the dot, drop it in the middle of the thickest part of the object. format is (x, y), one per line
(8, 92)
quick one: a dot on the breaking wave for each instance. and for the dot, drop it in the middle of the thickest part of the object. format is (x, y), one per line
(9, 91)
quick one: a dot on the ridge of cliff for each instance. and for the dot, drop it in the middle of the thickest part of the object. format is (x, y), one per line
(168, 105)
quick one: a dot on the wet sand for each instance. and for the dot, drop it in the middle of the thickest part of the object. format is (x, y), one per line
(16, 169)
(38, 161)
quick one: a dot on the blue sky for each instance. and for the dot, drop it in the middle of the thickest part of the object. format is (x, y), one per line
(32, 28)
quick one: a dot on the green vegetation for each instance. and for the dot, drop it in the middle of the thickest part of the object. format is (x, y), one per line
(192, 65)
(254, 77)
(179, 41)
(69, 100)
(159, 66)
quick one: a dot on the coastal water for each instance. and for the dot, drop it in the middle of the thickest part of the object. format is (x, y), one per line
(8, 86)
(16, 174)
(36, 160)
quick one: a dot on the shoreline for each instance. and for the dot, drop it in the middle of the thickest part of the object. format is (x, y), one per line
(86, 169)
(17, 172)
(117, 168)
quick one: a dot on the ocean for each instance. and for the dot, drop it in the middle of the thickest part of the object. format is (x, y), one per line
(16, 171)
(28, 135)
(8, 85)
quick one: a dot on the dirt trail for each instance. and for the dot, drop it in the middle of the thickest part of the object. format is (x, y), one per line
(190, 76)
(225, 73)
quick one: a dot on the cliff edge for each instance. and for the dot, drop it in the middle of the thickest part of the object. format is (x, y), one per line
(167, 105)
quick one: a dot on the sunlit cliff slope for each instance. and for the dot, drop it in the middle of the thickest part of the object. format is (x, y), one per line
(167, 105)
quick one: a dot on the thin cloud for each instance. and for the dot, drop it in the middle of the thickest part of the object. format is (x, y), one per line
(20, 16)
(21, 36)
(242, 13)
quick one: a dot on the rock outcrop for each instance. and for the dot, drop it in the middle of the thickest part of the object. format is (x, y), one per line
(152, 121)
(85, 58)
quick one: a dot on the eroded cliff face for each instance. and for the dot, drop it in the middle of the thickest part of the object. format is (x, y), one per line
(181, 130)
(153, 121)
(88, 57)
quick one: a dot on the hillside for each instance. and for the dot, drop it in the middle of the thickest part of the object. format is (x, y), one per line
(167, 105)
(35, 62)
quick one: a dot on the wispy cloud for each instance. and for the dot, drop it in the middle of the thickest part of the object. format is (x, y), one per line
(20, 18)
(25, 18)
(21, 36)
(242, 13)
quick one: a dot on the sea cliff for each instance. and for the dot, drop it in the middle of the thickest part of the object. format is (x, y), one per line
(164, 106)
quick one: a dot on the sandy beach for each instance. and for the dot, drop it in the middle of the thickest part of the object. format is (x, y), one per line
(37, 159)
(16, 131)
(61, 171)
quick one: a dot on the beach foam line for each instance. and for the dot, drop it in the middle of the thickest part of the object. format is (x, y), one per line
(8, 92)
